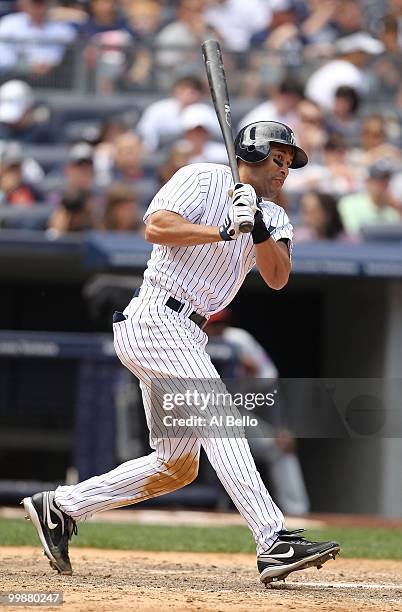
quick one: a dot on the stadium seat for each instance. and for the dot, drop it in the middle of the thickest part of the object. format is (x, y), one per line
(21, 217)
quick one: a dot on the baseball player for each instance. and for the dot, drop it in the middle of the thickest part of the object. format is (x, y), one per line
(198, 263)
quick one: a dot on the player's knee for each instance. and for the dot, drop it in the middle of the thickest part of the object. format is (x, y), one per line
(193, 471)
(182, 471)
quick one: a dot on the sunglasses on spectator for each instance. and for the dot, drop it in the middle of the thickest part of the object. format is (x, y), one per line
(311, 119)
(369, 132)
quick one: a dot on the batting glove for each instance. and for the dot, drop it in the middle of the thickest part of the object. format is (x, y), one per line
(238, 214)
(242, 211)
(245, 194)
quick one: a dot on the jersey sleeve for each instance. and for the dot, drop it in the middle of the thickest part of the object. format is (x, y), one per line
(278, 224)
(182, 194)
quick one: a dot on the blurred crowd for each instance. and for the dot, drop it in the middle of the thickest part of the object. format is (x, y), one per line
(328, 68)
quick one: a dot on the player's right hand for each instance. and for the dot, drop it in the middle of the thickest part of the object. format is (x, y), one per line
(238, 213)
(244, 194)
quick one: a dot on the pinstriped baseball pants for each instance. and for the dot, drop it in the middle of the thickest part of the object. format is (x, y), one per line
(155, 342)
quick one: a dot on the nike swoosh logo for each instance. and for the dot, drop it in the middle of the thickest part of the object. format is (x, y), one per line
(285, 555)
(48, 518)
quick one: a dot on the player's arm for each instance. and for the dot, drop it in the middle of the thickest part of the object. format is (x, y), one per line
(272, 246)
(171, 229)
(273, 262)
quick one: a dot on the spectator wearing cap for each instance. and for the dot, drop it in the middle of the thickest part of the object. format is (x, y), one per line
(73, 214)
(376, 204)
(353, 52)
(121, 210)
(14, 189)
(79, 171)
(48, 38)
(200, 130)
(161, 122)
(281, 105)
(20, 118)
(77, 176)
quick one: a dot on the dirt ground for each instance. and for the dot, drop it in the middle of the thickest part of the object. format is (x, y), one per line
(155, 582)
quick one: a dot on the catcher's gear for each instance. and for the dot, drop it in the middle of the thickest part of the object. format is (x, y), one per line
(252, 143)
(239, 212)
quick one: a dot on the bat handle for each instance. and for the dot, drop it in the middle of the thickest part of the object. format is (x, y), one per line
(246, 227)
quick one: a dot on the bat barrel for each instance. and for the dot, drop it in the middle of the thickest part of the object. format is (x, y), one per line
(220, 97)
(215, 70)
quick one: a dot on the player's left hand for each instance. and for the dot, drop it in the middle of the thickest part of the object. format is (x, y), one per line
(237, 214)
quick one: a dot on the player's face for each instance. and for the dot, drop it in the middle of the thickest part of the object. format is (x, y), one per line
(267, 177)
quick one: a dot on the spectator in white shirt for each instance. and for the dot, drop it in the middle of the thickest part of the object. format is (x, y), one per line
(237, 20)
(32, 42)
(281, 107)
(348, 69)
(201, 130)
(161, 121)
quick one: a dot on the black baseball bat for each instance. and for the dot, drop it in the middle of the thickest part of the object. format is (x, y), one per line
(220, 97)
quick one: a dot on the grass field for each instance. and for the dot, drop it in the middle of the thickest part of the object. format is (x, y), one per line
(358, 543)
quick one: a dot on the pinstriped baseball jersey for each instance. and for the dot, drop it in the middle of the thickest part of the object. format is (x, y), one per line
(159, 343)
(207, 276)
